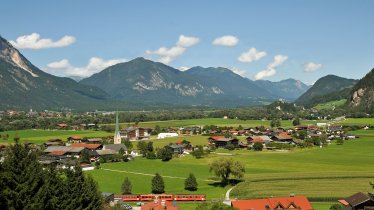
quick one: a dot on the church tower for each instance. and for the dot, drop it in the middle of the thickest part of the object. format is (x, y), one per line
(117, 135)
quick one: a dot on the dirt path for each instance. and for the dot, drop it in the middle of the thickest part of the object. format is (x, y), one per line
(144, 174)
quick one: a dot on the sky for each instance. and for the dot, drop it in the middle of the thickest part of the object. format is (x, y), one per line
(258, 39)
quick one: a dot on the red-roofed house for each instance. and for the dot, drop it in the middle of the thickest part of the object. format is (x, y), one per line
(76, 139)
(221, 141)
(283, 137)
(282, 203)
(159, 205)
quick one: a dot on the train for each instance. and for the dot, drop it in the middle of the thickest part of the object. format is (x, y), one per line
(165, 197)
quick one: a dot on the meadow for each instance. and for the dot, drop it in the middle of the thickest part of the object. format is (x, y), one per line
(321, 174)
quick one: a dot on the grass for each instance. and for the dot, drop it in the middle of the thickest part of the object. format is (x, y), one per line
(336, 171)
(41, 136)
(215, 121)
(331, 105)
(358, 121)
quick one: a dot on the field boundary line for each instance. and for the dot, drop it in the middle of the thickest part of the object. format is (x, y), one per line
(145, 174)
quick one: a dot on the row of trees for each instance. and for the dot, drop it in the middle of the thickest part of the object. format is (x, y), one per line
(158, 184)
(26, 184)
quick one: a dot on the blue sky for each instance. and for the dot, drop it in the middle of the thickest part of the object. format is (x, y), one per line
(304, 40)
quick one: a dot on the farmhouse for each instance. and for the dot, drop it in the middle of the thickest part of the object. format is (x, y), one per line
(135, 133)
(358, 201)
(88, 146)
(222, 142)
(281, 203)
(75, 139)
(283, 137)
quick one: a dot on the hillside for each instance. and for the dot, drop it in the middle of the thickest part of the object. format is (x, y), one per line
(24, 86)
(362, 94)
(326, 89)
(289, 89)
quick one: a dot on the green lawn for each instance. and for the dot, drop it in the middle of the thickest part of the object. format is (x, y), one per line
(41, 136)
(358, 121)
(331, 105)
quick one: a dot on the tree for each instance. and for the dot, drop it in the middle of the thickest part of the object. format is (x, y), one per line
(126, 186)
(85, 156)
(128, 144)
(198, 152)
(296, 121)
(224, 167)
(230, 146)
(166, 153)
(190, 183)
(240, 127)
(158, 185)
(258, 146)
(142, 147)
(150, 146)
(340, 141)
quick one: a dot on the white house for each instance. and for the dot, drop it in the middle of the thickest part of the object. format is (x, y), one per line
(166, 135)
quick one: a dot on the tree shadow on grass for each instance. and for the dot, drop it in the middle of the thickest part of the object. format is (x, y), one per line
(231, 182)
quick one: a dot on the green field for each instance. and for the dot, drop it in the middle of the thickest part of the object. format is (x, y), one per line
(331, 105)
(41, 136)
(216, 121)
(358, 121)
(326, 173)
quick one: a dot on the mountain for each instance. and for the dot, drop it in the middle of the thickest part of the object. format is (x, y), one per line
(24, 86)
(330, 86)
(142, 80)
(362, 94)
(230, 83)
(289, 89)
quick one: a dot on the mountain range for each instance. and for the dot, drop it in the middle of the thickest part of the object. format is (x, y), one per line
(144, 83)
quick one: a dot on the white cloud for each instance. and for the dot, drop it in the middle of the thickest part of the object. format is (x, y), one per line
(251, 55)
(187, 41)
(33, 41)
(238, 71)
(94, 65)
(184, 68)
(228, 40)
(311, 66)
(167, 55)
(271, 69)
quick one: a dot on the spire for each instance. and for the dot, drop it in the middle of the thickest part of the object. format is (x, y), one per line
(117, 135)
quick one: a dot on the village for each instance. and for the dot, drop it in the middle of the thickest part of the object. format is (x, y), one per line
(91, 152)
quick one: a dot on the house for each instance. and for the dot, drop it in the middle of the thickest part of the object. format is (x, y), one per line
(62, 152)
(93, 140)
(54, 142)
(115, 147)
(88, 146)
(262, 139)
(177, 148)
(135, 133)
(358, 201)
(75, 139)
(159, 205)
(222, 142)
(281, 203)
(166, 135)
(61, 126)
(282, 137)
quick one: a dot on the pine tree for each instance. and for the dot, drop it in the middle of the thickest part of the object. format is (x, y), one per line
(158, 185)
(126, 186)
(190, 183)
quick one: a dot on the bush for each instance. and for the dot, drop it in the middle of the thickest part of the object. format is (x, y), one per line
(258, 146)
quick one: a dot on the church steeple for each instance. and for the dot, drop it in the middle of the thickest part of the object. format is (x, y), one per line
(117, 135)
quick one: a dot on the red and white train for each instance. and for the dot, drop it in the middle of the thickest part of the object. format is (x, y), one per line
(166, 197)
